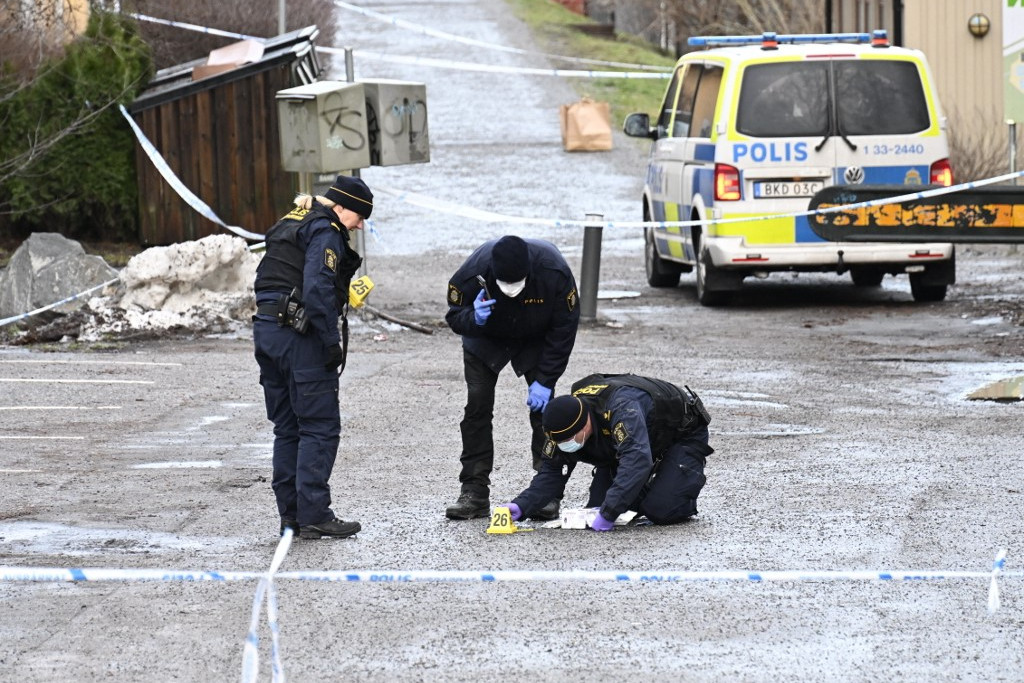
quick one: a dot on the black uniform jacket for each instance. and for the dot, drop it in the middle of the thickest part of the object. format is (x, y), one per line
(620, 441)
(536, 330)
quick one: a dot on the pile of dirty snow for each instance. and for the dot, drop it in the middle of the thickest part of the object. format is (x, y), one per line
(201, 285)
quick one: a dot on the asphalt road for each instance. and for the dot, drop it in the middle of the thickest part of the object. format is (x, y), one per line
(843, 442)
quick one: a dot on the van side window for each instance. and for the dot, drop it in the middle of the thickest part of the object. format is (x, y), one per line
(704, 102)
(684, 106)
(879, 97)
(668, 107)
(786, 99)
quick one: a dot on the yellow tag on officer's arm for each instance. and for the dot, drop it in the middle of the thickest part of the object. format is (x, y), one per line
(359, 290)
(620, 433)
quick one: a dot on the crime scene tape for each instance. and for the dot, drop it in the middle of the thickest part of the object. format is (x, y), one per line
(418, 28)
(16, 318)
(491, 216)
(490, 68)
(265, 591)
(194, 201)
(425, 61)
(13, 573)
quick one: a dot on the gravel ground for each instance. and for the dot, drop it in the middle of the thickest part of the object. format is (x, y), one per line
(843, 442)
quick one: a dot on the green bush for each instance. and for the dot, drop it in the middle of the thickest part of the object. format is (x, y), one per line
(77, 174)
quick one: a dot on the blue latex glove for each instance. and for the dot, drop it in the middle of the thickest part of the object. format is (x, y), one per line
(482, 308)
(601, 524)
(515, 511)
(538, 396)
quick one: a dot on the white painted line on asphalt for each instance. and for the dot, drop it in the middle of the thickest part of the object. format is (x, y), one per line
(89, 362)
(5, 471)
(43, 438)
(208, 464)
(80, 381)
(3, 408)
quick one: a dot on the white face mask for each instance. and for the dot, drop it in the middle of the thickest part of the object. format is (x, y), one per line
(512, 289)
(570, 446)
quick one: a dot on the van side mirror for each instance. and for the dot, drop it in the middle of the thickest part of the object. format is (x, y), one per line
(639, 126)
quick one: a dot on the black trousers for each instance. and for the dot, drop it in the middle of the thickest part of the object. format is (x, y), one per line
(477, 426)
(302, 402)
(670, 496)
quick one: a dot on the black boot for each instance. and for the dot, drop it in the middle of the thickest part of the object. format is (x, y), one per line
(289, 524)
(469, 506)
(335, 528)
(549, 512)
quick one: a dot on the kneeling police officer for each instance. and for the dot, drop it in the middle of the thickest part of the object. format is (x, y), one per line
(646, 438)
(302, 288)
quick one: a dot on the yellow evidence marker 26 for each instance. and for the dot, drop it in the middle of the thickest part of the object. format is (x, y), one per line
(501, 522)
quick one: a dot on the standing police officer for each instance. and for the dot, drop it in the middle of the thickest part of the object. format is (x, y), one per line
(646, 438)
(513, 300)
(301, 290)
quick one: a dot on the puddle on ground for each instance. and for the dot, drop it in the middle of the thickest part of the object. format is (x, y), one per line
(1011, 389)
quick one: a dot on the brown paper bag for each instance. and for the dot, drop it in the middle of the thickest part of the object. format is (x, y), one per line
(586, 126)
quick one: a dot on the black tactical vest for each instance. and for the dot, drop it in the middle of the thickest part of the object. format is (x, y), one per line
(675, 413)
(282, 264)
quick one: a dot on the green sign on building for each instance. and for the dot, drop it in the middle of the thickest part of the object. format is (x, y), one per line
(1013, 60)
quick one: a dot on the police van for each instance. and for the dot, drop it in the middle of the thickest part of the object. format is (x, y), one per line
(753, 126)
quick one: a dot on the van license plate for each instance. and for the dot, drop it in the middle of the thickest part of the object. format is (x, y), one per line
(787, 188)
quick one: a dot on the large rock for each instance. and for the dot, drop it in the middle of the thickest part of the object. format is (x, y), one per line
(47, 268)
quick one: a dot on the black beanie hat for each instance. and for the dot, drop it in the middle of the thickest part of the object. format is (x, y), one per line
(564, 416)
(351, 193)
(510, 259)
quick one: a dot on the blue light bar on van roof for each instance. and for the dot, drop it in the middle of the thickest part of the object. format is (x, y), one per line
(769, 39)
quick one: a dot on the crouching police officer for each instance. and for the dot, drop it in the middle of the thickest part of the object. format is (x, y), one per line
(646, 438)
(513, 300)
(302, 288)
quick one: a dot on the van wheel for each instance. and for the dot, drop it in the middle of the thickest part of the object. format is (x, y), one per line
(659, 272)
(925, 293)
(707, 272)
(866, 277)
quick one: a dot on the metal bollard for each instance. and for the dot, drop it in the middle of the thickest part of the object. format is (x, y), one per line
(360, 237)
(590, 272)
(1013, 147)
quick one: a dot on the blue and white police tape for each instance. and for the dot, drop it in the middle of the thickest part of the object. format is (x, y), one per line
(492, 68)
(465, 211)
(418, 28)
(16, 318)
(194, 27)
(190, 197)
(9, 573)
(426, 61)
(265, 590)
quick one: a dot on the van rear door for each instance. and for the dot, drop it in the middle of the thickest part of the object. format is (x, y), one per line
(887, 118)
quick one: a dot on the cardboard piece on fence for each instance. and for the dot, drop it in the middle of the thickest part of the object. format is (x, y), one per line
(229, 57)
(586, 126)
(501, 522)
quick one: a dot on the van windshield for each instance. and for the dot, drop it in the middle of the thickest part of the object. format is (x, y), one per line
(872, 97)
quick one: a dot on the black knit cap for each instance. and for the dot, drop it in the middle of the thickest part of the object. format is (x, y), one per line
(510, 259)
(564, 416)
(351, 193)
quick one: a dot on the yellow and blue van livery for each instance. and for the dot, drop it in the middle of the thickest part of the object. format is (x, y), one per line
(750, 128)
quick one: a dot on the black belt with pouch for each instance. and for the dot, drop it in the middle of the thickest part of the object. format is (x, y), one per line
(288, 311)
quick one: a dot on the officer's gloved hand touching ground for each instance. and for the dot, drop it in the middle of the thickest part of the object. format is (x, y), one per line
(482, 308)
(601, 524)
(515, 511)
(538, 397)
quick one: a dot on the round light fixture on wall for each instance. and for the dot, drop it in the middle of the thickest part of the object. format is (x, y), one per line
(978, 25)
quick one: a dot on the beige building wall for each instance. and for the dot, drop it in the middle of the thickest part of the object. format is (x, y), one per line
(968, 70)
